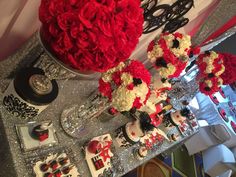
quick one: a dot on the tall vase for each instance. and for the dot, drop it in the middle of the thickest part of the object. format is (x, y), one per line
(75, 118)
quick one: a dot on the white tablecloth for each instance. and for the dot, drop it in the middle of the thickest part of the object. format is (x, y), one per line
(209, 111)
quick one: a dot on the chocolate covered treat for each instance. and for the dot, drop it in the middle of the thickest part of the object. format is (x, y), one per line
(53, 164)
(44, 167)
(57, 173)
(63, 160)
(66, 170)
(140, 153)
(48, 175)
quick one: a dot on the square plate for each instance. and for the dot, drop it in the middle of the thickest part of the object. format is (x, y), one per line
(35, 163)
(28, 143)
(105, 162)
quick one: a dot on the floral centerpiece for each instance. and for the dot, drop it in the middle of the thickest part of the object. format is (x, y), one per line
(170, 53)
(123, 87)
(229, 75)
(91, 35)
(211, 67)
(126, 86)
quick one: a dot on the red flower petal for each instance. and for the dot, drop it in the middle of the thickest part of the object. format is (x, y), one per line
(137, 103)
(105, 88)
(130, 86)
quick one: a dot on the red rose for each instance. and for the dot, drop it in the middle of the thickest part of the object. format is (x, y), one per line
(58, 45)
(137, 103)
(66, 20)
(150, 46)
(132, 13)
(229, 75)
(105, 88)
(196, 50)
(83, 39)
(147, 96)
(54, 30)
(177, 34)
(44, 14)
(56, 7)
(138, 70)
(116, 77)
(179, 65)
(87, 13)
(130, 86)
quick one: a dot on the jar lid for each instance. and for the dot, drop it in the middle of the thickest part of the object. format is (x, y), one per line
(24, 89)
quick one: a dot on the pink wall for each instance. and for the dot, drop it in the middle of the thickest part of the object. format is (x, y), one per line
(18, 21)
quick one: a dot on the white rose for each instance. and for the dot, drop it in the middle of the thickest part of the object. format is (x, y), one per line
(126, 78)
(122, 99)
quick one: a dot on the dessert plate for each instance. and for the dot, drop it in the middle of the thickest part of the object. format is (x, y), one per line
(223, 114)
(27, 139)
(214, 99)
(101, 157)
(57, 163)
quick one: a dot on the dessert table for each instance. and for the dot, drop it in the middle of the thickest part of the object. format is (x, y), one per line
(16, 162)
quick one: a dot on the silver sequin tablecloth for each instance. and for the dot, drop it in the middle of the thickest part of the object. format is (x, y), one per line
(71, 92)
(14, 162)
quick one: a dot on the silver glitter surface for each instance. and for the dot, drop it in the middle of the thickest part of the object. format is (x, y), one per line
(16, 162)
(71, 92)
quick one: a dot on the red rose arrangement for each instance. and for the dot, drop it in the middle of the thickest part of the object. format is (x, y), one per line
(93, 34)
(126, 86)
(211, 67)
(169, 53)
(229, 76)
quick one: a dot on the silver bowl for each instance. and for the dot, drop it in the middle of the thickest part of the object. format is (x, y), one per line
(56, 69)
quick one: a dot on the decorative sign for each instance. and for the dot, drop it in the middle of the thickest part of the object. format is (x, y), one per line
(98, 156)
(156, 15)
